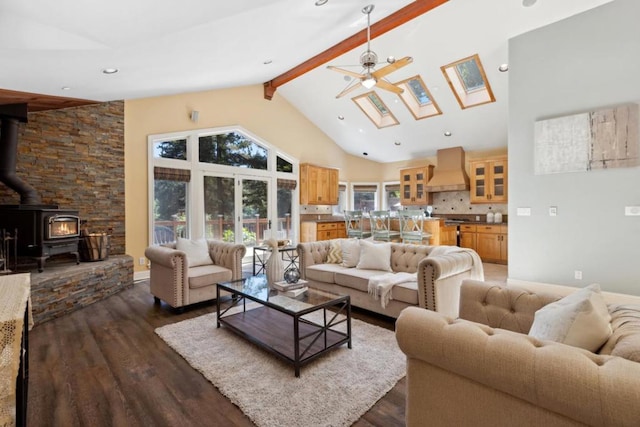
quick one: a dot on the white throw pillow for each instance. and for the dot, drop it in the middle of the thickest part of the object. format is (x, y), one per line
(375, 256)
(350, 252)
(197, 251)
(580, 319)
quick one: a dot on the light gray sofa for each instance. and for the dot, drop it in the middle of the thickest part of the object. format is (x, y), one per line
(437, 285)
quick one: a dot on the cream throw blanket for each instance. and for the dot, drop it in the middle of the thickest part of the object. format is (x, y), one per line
(382, 286)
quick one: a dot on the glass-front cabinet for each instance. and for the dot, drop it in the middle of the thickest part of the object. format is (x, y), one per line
(413, 185)
(489, 180)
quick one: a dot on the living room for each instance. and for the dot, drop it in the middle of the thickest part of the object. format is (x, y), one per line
(564, 68)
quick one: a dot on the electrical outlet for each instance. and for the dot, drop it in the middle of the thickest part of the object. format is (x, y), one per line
(577, 275)
(553, 211)
(142, 260)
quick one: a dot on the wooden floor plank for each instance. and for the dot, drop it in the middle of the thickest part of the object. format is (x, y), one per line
(104, 366)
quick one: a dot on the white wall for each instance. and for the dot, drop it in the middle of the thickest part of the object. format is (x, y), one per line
(586, 62)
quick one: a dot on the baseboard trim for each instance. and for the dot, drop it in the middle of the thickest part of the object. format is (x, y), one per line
(140, 275)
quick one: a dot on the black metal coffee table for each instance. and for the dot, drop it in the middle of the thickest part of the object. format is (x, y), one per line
(297, 330)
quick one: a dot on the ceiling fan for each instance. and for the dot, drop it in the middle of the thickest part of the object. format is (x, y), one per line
(369, 77)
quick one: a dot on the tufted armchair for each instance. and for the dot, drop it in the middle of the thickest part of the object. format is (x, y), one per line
(484, 370)
(177, 283)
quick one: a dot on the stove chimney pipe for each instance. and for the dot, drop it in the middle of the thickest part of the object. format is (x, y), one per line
(10, 114)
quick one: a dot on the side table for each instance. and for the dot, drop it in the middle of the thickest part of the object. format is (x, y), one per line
(261, 255)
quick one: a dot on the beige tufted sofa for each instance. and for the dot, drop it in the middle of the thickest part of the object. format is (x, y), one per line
(483, 370)
(438, 277)
(173, 281)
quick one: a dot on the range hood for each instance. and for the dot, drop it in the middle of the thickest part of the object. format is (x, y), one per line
(449, 174)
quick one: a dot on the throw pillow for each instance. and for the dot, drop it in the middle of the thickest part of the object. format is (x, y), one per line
(580, 319)
(197, 251)
(375, 256)
(335, 252)
(350, 252)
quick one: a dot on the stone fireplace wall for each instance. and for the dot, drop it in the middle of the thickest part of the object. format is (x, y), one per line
(74, 158)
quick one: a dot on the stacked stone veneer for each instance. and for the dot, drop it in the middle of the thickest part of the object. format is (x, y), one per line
(63, 288)
(74, 158)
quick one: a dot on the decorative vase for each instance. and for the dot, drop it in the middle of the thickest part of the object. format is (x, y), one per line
(292, 275)
(274, 267)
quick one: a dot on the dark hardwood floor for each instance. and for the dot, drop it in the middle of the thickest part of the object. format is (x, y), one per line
(104, 366)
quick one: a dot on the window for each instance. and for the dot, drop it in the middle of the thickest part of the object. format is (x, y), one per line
(169, 204)
(223, 184)
(391, 196)
(377, 111)
(468, 82)
(417, 98)
(232, 149)
(170, 149)
(342, 200)
(365, 197)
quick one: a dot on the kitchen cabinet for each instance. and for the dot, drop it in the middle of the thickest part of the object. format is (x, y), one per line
(413, 185)
(311, 231)
(491, 243)
(489, 180)
(468, 236)
(318, 185)
(448, 235)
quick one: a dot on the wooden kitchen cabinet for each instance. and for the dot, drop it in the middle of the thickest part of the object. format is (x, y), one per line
(413, 185)
(318, 185)
(491, 243)
(489, 180)
(468, 236)
(311, 231)
(448, 235)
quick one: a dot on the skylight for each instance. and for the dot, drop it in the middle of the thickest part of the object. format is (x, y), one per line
(468, 82)
(417, 98)
(377, 111)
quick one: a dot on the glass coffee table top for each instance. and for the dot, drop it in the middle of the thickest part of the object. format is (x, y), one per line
(257, 288)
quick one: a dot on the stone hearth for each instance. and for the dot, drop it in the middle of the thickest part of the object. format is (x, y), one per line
(66, 287)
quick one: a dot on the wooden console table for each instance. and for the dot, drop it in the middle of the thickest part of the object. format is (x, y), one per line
(15, 320)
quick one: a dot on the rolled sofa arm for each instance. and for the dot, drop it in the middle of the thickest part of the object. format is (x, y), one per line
(312, 253)
(509, 378)
(228, 255)
(439, 279)
(168, 273)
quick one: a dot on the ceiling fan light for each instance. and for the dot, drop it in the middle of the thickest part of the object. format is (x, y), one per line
(369, 81)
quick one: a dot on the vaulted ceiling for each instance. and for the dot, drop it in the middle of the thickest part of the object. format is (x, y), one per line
(58, 50)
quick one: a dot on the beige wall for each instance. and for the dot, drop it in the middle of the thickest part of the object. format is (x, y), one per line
(276, 121)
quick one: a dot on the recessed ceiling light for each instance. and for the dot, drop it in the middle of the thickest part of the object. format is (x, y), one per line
(341, 117)
(267, 62)
(110, 70)
(447, 133)
(65, 88)
(391, 59)
(397, 143)
(321, 2)
(365, 154)
(503, 68)
(528, 3)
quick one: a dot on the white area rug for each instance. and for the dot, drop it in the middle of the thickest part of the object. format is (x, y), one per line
(334, 390)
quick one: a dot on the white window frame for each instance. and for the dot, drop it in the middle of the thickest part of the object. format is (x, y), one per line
(376, 199)
(195, 210)
(383, 192)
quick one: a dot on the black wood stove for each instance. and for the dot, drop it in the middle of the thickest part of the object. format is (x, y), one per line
(42, 230)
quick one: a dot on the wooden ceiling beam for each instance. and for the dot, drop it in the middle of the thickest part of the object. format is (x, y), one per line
(406, 14)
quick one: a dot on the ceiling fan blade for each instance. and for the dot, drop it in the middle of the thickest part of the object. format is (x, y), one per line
(378, 74)
(348, 89)
(347, 72)
(383, 84)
